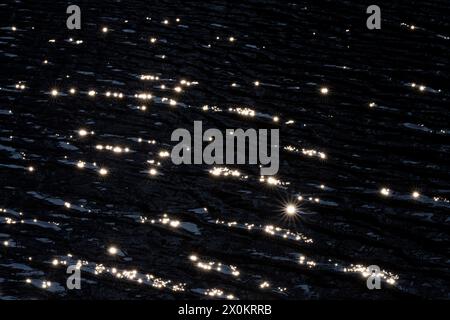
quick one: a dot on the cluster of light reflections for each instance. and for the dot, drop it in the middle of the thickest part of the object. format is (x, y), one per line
(20, 218)
(273, 181)
(306, 152)
(115, 149)
(131, 275)
(246, 112)
(271, 230)
(388, 277)
(226, 172)
(171, 223)
(218, 293)
(243, 111)
(214, 266)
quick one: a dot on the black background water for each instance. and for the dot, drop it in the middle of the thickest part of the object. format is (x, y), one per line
(400, 142)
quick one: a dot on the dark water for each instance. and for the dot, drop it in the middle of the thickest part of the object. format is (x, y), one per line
(351, 160)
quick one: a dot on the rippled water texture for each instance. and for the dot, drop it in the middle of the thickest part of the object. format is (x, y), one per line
(85, 124)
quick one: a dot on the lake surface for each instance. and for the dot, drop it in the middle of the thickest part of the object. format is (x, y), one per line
(86, 178)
